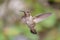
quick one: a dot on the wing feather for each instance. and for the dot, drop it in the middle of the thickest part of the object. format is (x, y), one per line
(41, 17)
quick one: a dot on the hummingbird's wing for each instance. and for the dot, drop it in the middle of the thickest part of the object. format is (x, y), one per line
(41, 17)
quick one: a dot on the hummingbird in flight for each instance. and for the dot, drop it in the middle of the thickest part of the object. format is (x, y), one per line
(31, 21)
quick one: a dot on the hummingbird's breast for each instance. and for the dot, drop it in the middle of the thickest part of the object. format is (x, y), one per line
(29, 20)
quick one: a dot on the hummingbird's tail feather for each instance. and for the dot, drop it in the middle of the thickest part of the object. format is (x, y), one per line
(33, 31)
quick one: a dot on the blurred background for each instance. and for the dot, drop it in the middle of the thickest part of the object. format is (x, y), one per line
(11, 28)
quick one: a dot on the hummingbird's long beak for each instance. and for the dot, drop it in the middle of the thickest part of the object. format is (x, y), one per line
(24, 12)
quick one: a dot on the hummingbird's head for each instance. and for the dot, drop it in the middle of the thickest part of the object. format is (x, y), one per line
(27, 12)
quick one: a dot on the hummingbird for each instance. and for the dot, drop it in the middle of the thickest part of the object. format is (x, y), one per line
(31, 21)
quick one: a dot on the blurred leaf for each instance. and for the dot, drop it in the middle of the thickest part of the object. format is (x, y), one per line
(2, 37)
(11, 31)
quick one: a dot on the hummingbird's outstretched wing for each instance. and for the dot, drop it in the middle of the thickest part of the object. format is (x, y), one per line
(41, 17)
